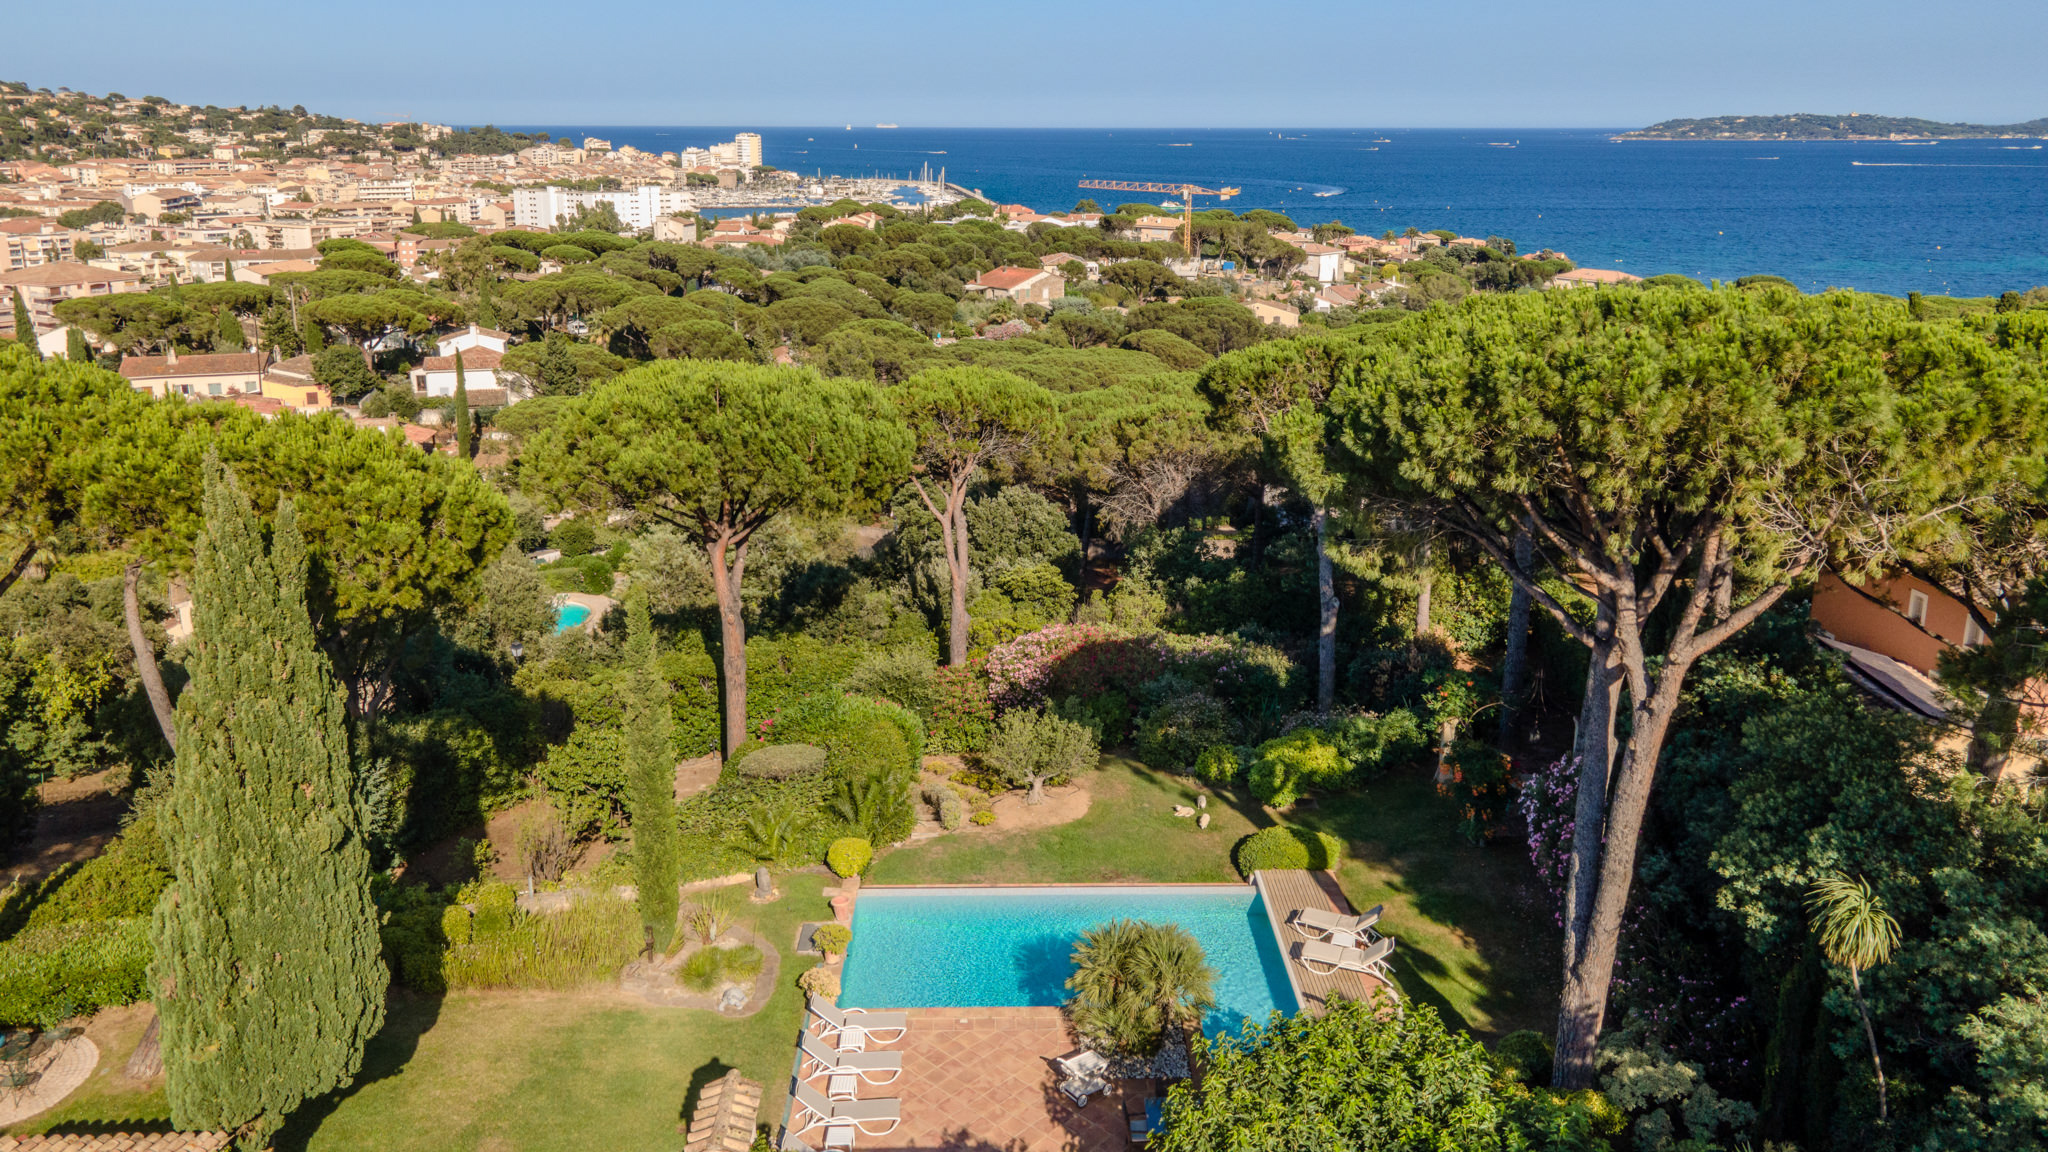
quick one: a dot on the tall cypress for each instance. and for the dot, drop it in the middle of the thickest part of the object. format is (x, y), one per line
(76, 349)
(25, 327)
(228, 335)
(460, 414)
(650, 779)
(268, 976)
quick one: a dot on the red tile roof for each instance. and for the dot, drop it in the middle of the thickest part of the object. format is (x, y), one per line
(202, 364)
(1007, 278)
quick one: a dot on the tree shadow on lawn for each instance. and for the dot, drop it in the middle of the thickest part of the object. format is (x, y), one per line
(1484, 899)
(407, 1017)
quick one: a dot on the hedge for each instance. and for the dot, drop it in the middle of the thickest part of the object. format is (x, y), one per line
(779, 673)
(1281, 847)
(65, 970)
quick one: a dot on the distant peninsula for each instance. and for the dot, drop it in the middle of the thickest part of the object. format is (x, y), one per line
(1807, 126)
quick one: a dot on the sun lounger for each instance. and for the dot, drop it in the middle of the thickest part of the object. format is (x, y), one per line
(1320, 923)
(813, 1109)
(1323, 959)
(872, 1024)
(820, 1058)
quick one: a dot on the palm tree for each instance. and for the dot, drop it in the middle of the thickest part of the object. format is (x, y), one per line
(1133, 980)
(1857, 933)
(1175, 977)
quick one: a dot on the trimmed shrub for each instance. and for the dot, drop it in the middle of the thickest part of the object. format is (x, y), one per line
(858, 734)
(455, 924)
(497, 909)
(819, 981)
(849, 856)
(983, 817)
(1282, 847)
(1219, 764)
(832, 939)
(1285, 768)
(946, 806)
(1173, 736)
(52, 974)
(1524, 1056)
(780, 761)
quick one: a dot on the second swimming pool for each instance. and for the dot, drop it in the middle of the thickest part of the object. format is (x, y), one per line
(963, 947)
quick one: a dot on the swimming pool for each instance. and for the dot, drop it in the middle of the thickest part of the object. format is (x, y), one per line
(570, 615)
(962, 947)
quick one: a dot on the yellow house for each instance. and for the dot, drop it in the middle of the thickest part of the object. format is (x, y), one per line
(220, 374)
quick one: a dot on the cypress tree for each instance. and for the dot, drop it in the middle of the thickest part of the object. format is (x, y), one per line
(24, 327)
(229, 335)
(76, 349)
(267, 975)
(486, 311)
(313, 338)
(650, 778)
(227, 270)
(460, 413)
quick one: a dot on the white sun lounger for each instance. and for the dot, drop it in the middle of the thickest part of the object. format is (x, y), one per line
(871, 1024)
(812, 1109)
(875, 1068)
(1323, 959)
(1321, 923)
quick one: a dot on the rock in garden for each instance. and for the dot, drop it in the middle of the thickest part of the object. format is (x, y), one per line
(1202, 801)
(1202, 821)
(732, 999)
(1183, 811)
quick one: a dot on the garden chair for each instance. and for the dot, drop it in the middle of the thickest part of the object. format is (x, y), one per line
(1323, 959)
(1080, 1088)
(820, 1058)
(869, 1024)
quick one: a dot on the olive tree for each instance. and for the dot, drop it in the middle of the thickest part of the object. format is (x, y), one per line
(717, 450)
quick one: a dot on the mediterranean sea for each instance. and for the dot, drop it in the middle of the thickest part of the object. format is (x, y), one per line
(1958, 217)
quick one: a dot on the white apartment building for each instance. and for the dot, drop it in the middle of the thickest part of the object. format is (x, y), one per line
(638, 208)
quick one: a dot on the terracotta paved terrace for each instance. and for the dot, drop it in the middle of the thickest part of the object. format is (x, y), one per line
(982, 1080)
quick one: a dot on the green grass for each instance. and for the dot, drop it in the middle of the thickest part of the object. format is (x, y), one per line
(538, 1071)
(1476, 938)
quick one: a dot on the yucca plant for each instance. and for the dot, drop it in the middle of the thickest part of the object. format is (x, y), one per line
(1854, 931)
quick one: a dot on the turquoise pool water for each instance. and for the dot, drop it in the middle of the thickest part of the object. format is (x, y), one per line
(945, 947)
(569, 616)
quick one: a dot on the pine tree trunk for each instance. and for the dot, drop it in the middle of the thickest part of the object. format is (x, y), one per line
(1422, 576)
(20, 565)
(1326, 618)
(957, 635)
(145, 658)
(1582, 1008)
(732, 636)
(1514, 673)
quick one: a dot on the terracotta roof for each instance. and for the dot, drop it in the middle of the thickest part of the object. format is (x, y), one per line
(261, 405)
(472, 358)
(63, 272)
(1596, 276)
(416, 433)
(1007, 278)
(201, 364)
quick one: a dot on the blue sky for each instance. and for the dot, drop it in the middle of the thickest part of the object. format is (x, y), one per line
(1198, 63)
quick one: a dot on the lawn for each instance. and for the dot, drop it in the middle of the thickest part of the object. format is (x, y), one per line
(535, 1072)
(531, 1071)
(1477, 941)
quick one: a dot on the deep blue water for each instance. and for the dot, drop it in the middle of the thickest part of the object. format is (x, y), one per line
(1962, 217)
(1013, 947)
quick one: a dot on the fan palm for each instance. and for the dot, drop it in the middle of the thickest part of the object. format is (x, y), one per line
(1174, 976)
(1856, 932)
(1133, 980)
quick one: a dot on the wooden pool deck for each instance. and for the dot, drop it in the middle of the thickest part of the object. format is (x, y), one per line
(1286, 890)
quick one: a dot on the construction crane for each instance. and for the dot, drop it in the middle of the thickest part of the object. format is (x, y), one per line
(1187, 193)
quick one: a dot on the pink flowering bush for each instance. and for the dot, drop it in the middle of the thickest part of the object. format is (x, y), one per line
(1549, 803)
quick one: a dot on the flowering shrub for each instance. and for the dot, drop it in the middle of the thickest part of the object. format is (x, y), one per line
(1479, 784)
(1549, 808)
(963, 714)
(1020, 671)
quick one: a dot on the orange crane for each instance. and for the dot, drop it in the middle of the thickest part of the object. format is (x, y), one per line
(1187, 193)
